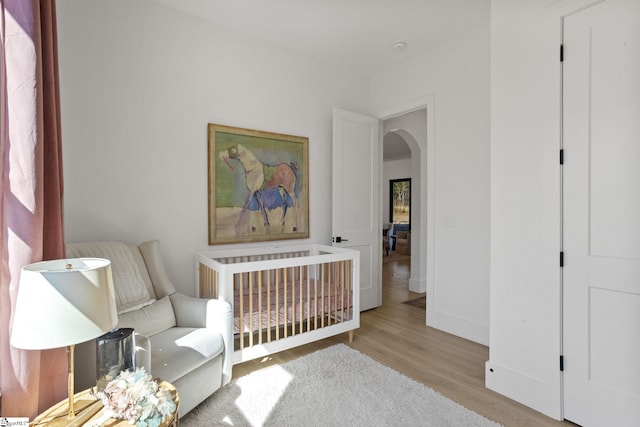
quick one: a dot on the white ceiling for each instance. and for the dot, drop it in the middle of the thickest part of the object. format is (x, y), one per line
(355, 34)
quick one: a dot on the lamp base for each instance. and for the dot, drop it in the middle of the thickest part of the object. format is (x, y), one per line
(69, 412)
(70, 380)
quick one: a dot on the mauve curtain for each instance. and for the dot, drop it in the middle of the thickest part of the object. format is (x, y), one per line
(31, 191)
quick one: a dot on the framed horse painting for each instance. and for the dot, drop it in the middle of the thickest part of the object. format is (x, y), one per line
(258, 185)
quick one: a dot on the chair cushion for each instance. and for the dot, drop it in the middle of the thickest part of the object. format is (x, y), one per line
(178, 351)
(151, 319)
(131, 292)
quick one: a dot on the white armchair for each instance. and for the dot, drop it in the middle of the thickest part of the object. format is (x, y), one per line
(190, 339)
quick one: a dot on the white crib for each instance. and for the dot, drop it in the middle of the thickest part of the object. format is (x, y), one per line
(285, 296)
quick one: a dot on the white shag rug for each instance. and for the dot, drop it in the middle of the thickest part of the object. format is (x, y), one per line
(336, 386)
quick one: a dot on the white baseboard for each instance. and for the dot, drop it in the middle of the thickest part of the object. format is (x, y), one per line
(418, 286)
(456, 325)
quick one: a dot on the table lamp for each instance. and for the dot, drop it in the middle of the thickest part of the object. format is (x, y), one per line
(63, 303)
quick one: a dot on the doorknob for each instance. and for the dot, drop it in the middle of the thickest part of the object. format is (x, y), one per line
(339, 240)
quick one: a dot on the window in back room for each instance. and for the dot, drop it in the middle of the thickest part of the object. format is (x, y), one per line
(400, 203)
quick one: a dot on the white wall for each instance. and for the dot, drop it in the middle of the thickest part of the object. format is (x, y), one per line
(139, 83)
(392, 169)
(526, 301)
(457, 76)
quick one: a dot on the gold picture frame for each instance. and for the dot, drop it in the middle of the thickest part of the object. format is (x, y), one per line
(258, 185)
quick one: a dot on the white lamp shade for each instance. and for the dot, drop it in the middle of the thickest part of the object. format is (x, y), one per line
(63, 302)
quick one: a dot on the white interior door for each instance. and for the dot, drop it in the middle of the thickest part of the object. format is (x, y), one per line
(356, 197)
(601, 175)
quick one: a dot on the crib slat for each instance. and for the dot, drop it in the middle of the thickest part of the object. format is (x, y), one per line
(215, 282)
(293, 301)
(340, 298)
(336, 299)
(327, 298)
(340, 307)
(250, 312)
(350, 279)
(308, 302)
(302, 299)
(277, 304)
(260, 307)
(295, 283)
(300, 283)
(315, 297)
(344, 281)
(339, 285)
(323, 280)
(240, 291)
(286, 314)
(346, 290)
(292, 298)
(320, 295)
(269, 306)
(202, 272)
(207, 285)
(329, 292)
(339, 292)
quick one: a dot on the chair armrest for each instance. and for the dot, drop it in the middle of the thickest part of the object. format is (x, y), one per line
(213, 314)
(143, 351)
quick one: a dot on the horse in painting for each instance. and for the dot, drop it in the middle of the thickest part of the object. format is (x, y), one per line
(269, 186)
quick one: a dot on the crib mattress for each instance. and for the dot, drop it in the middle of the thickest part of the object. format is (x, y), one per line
(265, 308)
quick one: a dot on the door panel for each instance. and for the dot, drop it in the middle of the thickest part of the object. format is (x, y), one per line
(601, 276)
(615, 311)
(356, 192)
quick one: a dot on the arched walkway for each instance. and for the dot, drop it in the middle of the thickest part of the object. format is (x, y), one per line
(412, 127)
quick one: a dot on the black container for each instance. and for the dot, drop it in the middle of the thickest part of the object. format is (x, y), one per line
(114, 354)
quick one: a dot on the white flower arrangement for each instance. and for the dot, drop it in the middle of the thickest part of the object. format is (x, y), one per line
(136, 397)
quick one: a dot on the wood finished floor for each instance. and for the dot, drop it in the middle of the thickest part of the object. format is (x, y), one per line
(395, 335)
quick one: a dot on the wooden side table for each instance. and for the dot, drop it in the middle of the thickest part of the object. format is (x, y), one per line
(88, 408)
